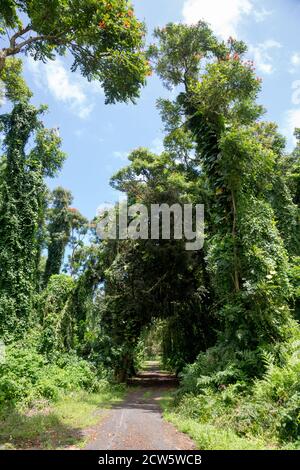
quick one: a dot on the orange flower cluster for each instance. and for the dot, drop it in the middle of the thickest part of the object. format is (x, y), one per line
(102, 25)
(235, 56)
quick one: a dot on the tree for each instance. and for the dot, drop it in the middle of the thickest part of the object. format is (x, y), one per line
(294, 170)
(104, 38)
(57, 325)
(79, 229)
(59, 229)
(168, 281)
(23, 197)
(245, 254)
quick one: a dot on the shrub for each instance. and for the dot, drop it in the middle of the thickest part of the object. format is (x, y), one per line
(27, 376)
(268, 407)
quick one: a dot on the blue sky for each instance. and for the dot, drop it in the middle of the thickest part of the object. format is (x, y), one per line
(97, 138)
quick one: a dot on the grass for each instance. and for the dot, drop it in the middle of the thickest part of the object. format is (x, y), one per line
(147, 394)
(207, 436)
(59, 425)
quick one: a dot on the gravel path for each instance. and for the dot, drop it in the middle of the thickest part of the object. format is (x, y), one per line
(137, 423)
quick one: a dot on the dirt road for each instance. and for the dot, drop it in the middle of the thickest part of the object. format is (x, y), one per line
(137, 423)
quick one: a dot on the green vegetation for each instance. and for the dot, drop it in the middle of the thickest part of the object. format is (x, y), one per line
(262, 415)
(79, 314)
(59, 425)
(23, 193)
(104, 38)
(48, 399)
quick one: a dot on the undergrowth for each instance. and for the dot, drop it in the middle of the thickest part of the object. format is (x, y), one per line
(222, 410)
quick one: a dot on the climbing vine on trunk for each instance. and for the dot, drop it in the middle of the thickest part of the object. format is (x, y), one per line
(23, 192)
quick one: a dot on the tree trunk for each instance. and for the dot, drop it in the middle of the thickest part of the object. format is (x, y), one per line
(121, 373)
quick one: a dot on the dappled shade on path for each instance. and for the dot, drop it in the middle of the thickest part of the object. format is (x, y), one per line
(137, 423)
(151, 375)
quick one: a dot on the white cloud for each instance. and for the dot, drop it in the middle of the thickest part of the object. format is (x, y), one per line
(61, 85)
(85, 111)
(121, 155)
(261, 15)
(295, 59)
(223, 15)
(295, 62)
(292, 117)
(262, 57)
(65, 86)
(296, 92)
(291, 121)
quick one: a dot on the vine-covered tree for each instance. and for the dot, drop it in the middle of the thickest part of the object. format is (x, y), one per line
(79, 229)
(245, 254)
(23, 193)
(59, 229)
(294, 170)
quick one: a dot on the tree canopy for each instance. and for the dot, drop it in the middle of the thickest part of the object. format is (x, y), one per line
(104, 38)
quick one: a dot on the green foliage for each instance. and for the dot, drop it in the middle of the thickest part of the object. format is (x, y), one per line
(79, 229)
(59, 229)
(246, 258)
(192, 417)
(294, 170)
(180, 49)
(57, 324)
(27, 376)
(23, 198)
(104, 38)
(267, 408)
(252, 235)
(65, 226)
(294, 275)
(12, 85)
(217, 152)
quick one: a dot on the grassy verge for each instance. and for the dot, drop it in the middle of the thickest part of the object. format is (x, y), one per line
(205, 435)
(57, 425)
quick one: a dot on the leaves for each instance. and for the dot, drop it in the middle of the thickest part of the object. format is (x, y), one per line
(23, 194)
(104, 38)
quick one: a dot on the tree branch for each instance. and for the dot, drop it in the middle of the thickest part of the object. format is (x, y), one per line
(18, 34)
